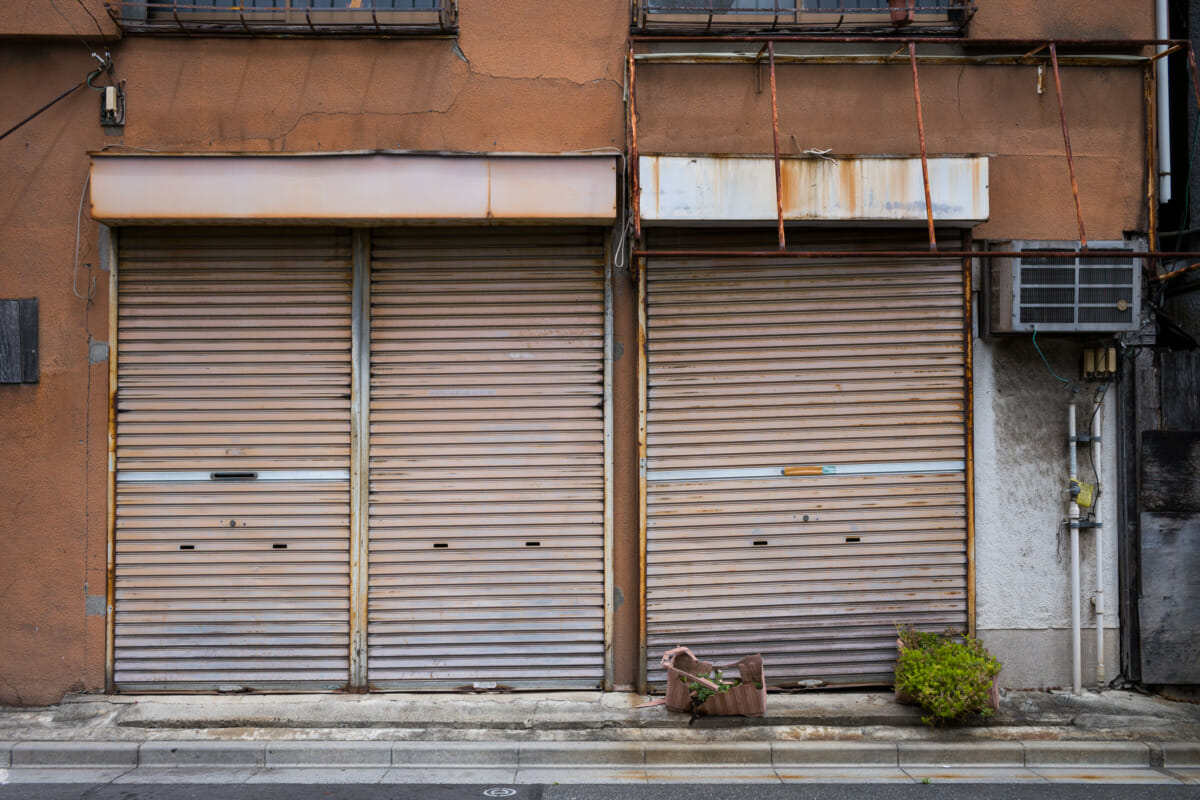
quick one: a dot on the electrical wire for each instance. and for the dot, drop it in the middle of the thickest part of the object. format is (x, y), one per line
(63, 96)
(71, 25)
(78, 223)
(1047, 363)
(88, 11)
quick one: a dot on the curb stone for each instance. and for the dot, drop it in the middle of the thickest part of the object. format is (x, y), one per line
(1070, 754)
(202, 754)
(75, 754)
(329, 754)
(596, 755)
(433, 755)
(959, 754)
(1181, 754)
(833, 754)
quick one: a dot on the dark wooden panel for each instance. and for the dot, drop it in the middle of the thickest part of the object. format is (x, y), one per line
(1181, 391)
(10, 342)
(1170, 471)
(28, 313)
(1170, 598)
(18, 341)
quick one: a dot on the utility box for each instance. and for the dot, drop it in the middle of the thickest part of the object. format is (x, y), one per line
(1097, 293)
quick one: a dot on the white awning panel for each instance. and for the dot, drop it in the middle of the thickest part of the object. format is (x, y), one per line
(352, 188)
(741, 189)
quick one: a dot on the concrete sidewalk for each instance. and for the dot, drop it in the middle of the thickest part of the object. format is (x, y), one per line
(583, 737)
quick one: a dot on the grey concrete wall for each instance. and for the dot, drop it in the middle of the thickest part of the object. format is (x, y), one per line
(1040, 658)
(1022, 544)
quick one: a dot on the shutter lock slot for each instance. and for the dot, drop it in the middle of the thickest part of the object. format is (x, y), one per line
(233, 476)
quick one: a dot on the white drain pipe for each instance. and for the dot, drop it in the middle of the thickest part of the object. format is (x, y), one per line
(1162, 30)
(1073, 524)
(1098, 600)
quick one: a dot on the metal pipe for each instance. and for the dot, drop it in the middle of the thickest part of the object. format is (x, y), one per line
(1151, 184)
(912, 55)
(775, 135)
(1073, 523)
(969, 423)
(360, 407)
(635, 183)
(774, 131)
(867, 254)
(1062, 115)
(643, 401)
(609, 469)
(1163, 82)
(745, 57)
(1168, 275)
(1098, 519)
(892, 40)
(110, 566)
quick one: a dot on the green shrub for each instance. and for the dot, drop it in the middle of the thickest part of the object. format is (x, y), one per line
(950, 676)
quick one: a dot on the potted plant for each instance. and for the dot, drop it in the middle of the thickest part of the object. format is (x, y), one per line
(902, 11)
(700, 687)
(949, 675)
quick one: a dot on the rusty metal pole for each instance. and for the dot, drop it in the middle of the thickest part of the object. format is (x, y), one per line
(912, 55)
(1062, 115)
(1195, 73)
(635, 186)
(775, 135)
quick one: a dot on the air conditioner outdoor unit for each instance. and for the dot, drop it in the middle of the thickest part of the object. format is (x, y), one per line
(1065, 294)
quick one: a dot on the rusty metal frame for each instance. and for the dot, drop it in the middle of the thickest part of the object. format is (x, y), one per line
(969, 425)
(609, 469)
(236, 22)
(110, 566)
(643, 401)
(912, 55)
(1062, 115)
(360, 405)
(768, 40)
(775, 138)
(635, 179)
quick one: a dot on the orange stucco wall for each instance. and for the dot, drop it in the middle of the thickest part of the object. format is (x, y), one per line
(522, 76)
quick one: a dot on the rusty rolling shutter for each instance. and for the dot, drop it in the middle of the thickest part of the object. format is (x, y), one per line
(233, 444)
(486, 460)
(806, 456)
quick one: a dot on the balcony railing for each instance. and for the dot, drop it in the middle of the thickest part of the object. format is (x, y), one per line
(287, 17)
(850, 17)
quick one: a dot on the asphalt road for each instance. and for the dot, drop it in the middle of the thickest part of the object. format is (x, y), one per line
(745, 791)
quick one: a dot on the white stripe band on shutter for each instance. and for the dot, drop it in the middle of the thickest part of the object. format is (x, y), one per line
(901, 468)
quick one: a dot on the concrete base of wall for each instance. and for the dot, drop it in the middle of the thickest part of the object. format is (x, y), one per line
(1041, 658)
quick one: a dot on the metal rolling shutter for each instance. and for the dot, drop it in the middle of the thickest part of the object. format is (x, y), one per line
(849, 375)
(486, 462)
(233, 444)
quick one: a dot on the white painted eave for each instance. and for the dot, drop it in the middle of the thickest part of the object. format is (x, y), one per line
(375, 188)
(873, 190)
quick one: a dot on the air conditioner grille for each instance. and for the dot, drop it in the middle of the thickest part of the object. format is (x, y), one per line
(1056, 277)
(1105, 315)
(1047, 315)
(1096, 292)
(1110, 295)
(1093, 275)
(1046, 296)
